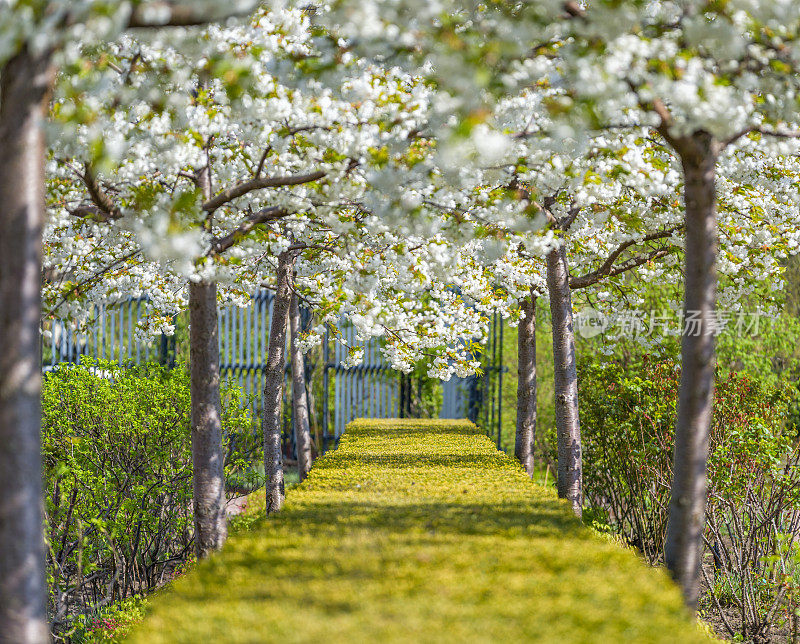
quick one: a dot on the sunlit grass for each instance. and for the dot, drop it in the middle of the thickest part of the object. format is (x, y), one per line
(419, 531)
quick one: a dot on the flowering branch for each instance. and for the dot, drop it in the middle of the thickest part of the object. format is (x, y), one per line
(608, 269)
(103, 209)
(258, 183)
(263, 216)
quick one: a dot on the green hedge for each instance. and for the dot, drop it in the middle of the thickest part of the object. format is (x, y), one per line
(419, 531)
(116, 447)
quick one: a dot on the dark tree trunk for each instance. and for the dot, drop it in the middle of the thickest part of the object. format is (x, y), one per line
(208, 481)
(24, 87)
(273, 384)
(682, 548)
(565, 377)
(526, 384)
(302, 426)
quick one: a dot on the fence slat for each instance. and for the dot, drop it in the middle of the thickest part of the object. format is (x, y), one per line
(370, 389)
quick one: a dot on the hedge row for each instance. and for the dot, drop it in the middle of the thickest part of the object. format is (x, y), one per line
(419, 531)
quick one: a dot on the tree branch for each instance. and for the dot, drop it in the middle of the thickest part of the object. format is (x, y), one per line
(609, 270)
(261, 217)
(90, 211)
(258, 183)
(262, 161)
(780, 134)
(574, 9)
(570, 217)
(161, 13)
(663, 113)
(103, 209)
(305, 246)
(89, 281)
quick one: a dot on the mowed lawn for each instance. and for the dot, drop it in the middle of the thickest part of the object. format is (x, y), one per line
(419, 531)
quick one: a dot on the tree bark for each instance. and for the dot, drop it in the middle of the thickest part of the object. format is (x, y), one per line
(302, 425)
(25, 82)
(526, 384)
(208, 480)
(565, 377)
(683, 546)
(273, 384)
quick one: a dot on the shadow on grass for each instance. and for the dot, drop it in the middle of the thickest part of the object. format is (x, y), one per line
(533, 518)
(352, 541)
(405, 460)
(415, 431)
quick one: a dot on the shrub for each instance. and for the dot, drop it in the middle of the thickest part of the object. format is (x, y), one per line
(117, 456)
(111, 623)
(628, 418)
(419, 531)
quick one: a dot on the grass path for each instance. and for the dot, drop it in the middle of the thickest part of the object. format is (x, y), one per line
(419, 531)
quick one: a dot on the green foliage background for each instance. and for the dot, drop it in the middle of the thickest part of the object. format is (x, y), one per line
(772, 357)
(116, 444)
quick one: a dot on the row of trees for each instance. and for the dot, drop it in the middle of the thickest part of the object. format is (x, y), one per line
(508, 153)
(706, 81)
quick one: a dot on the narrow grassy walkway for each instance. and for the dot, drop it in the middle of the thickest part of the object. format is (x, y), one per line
(419, 531)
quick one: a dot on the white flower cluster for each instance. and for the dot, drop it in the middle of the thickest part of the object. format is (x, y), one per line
(422, 196)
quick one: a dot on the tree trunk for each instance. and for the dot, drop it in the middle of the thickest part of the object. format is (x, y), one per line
(24, 88)
(565, 377)
(273, 384)
(526, 384)
(208, 480)
(682, 548)
(302, 426)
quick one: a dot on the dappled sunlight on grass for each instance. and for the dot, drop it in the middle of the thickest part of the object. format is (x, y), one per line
(419, 531)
